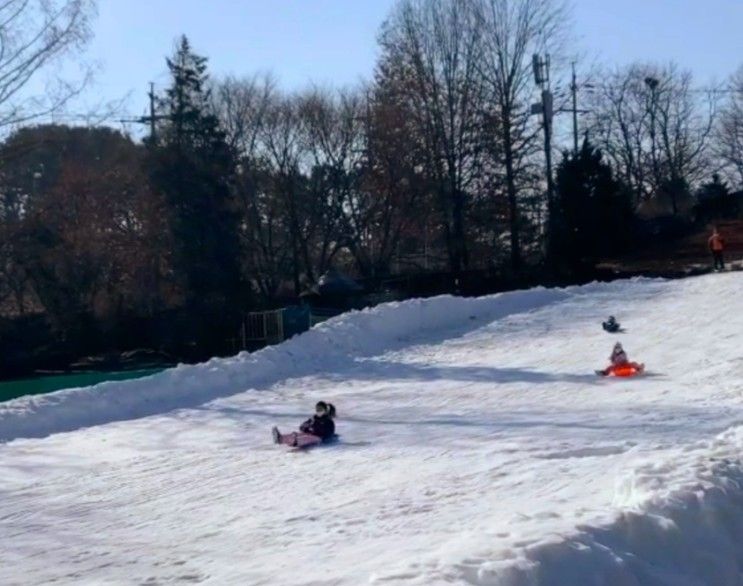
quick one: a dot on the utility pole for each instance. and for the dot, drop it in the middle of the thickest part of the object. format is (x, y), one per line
(151, 119)
(575, 111)
(541, 67)
(547, 114)
(574, 90)
(152, 111)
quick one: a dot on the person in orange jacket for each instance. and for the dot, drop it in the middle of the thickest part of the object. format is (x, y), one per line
(716, 245)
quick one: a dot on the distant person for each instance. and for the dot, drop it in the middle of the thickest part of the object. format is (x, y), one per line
(611, 325)
(619, 360)
(716, 245)
(317, 429)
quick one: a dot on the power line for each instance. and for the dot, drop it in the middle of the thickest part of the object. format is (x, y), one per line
(152, 118)
(700, 90)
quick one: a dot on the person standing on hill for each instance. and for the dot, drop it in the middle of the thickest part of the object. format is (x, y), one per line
(716, 245)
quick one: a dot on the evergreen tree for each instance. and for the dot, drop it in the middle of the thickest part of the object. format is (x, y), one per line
(592, 212)
(714, 201)
(192, 164)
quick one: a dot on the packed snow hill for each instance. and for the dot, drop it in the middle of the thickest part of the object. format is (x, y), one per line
(476, 445)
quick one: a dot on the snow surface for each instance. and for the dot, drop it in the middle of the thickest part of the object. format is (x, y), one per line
(477, 447)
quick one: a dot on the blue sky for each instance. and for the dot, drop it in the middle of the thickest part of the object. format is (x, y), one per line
(334, 41)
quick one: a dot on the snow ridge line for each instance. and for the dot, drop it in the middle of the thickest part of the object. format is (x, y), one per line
(684, 536)
(358, 333)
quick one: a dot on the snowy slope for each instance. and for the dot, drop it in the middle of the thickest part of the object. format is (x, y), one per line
(477, 448)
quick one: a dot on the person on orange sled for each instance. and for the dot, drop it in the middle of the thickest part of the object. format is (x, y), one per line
(716, 245)
(620, 360)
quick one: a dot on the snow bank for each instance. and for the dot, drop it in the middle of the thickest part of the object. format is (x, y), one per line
(686, 529)
(355, 334)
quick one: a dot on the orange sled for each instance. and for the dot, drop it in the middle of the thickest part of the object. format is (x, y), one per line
(626, 370)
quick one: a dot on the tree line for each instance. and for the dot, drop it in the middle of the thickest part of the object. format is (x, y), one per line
(242, 195)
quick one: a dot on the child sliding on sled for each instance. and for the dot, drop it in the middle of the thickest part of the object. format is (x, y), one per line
(317, 429)
(611, 325)
(620, 361)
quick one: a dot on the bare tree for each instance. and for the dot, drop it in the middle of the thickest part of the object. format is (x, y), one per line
(335, 137)
(242, 104)
(300, 159)
(285, 156)
(88, 233)
(656, 128)
(729, 132)
(620, 125)
(245, 106)
(685, 120)
(390, 206)
(34, 35)
(512, 32)
(430, 55)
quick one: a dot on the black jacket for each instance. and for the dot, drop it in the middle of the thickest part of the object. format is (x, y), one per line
(322, 426)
